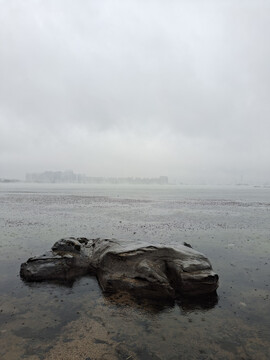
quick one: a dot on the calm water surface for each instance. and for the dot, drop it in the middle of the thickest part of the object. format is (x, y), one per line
(52, 321)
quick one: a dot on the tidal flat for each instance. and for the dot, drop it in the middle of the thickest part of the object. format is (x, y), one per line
(230, 225)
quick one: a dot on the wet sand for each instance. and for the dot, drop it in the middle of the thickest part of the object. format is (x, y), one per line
(52, 321)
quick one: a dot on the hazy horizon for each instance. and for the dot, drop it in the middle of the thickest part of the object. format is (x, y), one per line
(106, 180)
(143, 89)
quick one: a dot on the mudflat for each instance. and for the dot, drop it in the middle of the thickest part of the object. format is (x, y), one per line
(79, 321)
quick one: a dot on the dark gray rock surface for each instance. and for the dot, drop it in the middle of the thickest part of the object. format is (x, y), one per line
(144, 270)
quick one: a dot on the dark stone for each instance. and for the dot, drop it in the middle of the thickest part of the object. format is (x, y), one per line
(142, 269)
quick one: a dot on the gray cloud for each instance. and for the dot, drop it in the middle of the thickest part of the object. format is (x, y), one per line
(136, 88)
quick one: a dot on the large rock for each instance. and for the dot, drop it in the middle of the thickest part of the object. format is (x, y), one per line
(145, 270)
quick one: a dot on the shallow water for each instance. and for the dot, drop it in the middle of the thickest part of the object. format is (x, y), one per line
(52, 321)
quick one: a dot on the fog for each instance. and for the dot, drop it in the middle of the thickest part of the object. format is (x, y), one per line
(136, 88)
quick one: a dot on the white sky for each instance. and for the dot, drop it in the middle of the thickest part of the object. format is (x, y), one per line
(136, 88)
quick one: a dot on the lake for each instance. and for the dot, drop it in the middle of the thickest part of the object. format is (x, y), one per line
(230, 225)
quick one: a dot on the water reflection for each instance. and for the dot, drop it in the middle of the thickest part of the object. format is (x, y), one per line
(125, 299)
(155, 306)
(202, 303)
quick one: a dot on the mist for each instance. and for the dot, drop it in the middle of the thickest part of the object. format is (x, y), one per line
(117, 88)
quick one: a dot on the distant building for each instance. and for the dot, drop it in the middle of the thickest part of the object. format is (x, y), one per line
(69, 176)
(127, 180)
(9, 180)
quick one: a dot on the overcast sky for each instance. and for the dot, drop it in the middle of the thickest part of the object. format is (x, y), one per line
(136, 88)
